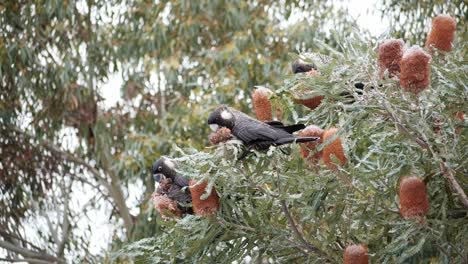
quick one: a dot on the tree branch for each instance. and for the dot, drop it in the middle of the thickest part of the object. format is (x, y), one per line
(455, 186)
(296, 231)
(30, 254)
(453, 183)
(299, 235)
(28, 260)
(113, 188)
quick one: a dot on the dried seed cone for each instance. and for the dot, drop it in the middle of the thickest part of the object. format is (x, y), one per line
(313, 102)
(390, 53)
(335, 148)
(415, 70)
(165, 206)
(413, 197)
(442, 33)
(262, 104)
(308, 148)
(223, 134)
(206, 207)
(356, 254)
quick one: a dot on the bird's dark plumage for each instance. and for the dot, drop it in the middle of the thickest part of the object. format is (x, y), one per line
(171, 184)
(254, 133)
(300, 66)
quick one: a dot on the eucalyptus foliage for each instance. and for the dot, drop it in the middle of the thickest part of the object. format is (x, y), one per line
(66, 154)
(180, 60)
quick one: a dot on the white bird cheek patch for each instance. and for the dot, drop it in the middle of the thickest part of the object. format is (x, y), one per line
(226, 115)
(214, 127)
(170, 164)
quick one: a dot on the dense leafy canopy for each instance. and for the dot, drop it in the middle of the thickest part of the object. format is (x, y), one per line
(67, 155)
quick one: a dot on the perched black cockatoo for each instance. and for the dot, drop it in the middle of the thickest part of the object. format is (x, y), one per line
(299, 66)
(171, 184)
(253, 133)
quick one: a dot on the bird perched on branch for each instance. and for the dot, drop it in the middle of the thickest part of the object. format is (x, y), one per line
(253, 133)
(301, 67)
(172, 185)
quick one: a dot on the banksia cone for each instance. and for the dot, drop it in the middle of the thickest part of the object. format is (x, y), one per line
(166, 207)
(413, 197)
(356, 254)
(223, 134)
(262, 105)
(313, 102)
(390, 53)
(459, 115)
(415, 70)
(309, 147)
(335, 148)
(206, 207)
(442, 33)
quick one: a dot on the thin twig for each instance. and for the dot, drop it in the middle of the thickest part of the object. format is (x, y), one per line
(441, 249)
(296, 231)
(28, 260)
(455, 186)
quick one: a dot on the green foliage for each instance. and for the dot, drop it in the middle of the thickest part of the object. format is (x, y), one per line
(178, 61)
(382, 134)
(411, 20)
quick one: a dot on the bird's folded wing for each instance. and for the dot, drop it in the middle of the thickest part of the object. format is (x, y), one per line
(257, 131)
(179, 195)
(181, 181)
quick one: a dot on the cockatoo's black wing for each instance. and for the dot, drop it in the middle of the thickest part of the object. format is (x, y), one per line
(178, 194)
(181, 181)
(253, 131)
(290, 129)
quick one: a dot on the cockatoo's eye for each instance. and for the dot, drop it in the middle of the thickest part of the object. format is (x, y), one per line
(159, 168)
(214, 127)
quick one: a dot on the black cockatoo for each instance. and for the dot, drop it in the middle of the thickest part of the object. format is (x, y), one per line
(299, 66)
(253, 133)
(171, 184)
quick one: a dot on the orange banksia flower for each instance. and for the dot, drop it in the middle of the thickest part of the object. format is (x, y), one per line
(356, 254)
(308, 148)
(223, 134)
(415, 70)
(206, 207)
(413, 198)
(459, 115)
(313, 102)
(262, 104)
(390, 53)
(442, 33)
(165, 206)
(335, 148)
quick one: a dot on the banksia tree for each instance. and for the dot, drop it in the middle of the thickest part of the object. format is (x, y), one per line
(205, 201)
(223, 134)
(314, 101)
(262, 105)
(273, 207)
(390, 53)
(413, 197)
(333, 153)
(309, 150)
(415, 70)
(356, 254)
(442, 33)
(166, 207)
